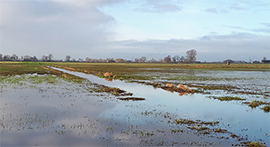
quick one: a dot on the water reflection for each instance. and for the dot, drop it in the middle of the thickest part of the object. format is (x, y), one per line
(235, 116)
(66, 113)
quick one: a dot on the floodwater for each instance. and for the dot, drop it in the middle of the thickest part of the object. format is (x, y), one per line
(69, 113)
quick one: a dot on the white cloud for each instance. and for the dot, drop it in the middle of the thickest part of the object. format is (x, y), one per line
(88, 28)
(216, 11)
(43, 27)
(159, 8)
(238, 46)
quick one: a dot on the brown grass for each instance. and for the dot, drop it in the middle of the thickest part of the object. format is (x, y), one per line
(108, 74)
(180, 88)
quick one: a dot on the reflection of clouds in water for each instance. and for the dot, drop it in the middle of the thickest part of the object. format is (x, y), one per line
(46, 111)
(74, 116)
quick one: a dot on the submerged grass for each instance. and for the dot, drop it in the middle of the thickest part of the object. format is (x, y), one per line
(121, 73)
(266, 108)
(112, 90)
(17, 68)
(226, 98)
(256, 103)
(253, 144)
(214, 87)
(34, 79)
(127, 71)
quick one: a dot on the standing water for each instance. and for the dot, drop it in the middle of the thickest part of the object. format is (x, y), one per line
(67, 113)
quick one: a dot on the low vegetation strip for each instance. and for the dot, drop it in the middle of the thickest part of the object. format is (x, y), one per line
(121, 69)
(226, 98)
(255, 103)
(127, 71)
(180, 88)
(112, 90)
(132, 99)
(17, 68)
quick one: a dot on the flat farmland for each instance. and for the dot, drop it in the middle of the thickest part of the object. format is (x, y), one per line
(59, 103)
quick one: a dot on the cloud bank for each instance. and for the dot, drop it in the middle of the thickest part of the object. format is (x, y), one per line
(82, 29)
(57, 27)
(210, 48)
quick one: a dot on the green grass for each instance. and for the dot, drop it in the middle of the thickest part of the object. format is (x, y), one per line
(8, 69)
(30, 78)
(266, 108)
(255, 103)
(253, 144)
(124, 70)
(134, 71)
(227, 98)
(17, 68)
(127, 71)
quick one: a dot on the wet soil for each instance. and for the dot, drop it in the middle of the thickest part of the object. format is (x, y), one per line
(132, 99)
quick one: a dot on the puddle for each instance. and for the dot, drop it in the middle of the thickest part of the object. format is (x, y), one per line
(67, 113)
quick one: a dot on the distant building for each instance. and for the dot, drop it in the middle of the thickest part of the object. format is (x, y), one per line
(110, 61)
(255, 62)
(265, 61)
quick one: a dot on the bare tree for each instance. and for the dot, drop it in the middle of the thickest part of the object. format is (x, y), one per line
(44, 58)
(136, 60)
(264, 58)
(1, 56)
(153, 60)
(191, 55)
(7, 57)
(87, 59)
(168, 59)
(176, 59)
(182, 59)
(50, 57)
(68, 58)
(142, 59)
(14, 57)
(119, 60)
(27, 58)
(35, 58)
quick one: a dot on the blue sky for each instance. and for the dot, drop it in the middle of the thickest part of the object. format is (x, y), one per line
(217, 29)
(184, 19)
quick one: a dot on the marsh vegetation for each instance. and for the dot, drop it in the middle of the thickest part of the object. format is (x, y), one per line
(137, 104)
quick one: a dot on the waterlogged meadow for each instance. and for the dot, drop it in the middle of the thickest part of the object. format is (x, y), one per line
(68, 105)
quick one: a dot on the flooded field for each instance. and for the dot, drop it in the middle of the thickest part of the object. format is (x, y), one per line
(49, 110)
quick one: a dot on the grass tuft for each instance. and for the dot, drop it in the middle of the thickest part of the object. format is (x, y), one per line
(266, 108)
(227, 98)
(255, 103)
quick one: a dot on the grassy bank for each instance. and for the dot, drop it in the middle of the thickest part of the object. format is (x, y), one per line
(122, 68)
(17, 68)
(131, 70)
(145, 66)
(125, 71)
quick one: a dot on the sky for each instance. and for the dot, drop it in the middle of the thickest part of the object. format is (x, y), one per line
(216, 29)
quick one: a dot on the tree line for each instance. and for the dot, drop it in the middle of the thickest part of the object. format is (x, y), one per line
(14, 57)
(190, 58)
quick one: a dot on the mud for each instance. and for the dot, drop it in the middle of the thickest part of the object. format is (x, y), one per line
(132, 99)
